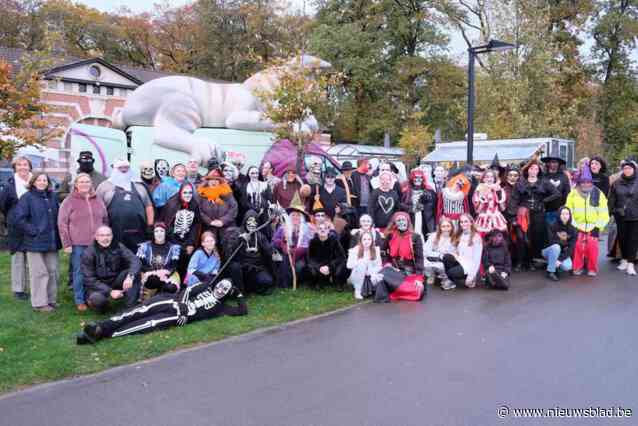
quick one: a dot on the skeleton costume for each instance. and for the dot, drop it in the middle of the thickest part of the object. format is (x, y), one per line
(421, 199)
(160, 256)
(251, 268)
(181, 216)
(200, 302)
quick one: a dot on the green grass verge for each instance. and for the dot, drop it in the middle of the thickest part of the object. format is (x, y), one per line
(40, 347)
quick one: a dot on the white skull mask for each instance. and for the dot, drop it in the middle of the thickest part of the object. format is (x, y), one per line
(222, 288)
(147, 172)
(162, 168)
(251, 224)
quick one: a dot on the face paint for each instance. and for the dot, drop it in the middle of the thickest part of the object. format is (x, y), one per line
(418, 181)
(439, 174)
(159, 234)
(402, 223)
(187, 194)
(253, 174)
(251, 224)
(366, 222)
(222, 288)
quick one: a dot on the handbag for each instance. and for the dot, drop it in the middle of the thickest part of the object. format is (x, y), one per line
(367, 289)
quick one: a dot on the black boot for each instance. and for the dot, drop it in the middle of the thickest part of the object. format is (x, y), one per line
(93, 332)
(552, 276)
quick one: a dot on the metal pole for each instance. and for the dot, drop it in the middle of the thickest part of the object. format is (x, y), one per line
(470, 107)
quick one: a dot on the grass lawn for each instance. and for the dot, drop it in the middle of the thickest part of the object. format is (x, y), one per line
(40, 347)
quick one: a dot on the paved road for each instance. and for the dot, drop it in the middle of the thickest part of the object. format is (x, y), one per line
(452, 360)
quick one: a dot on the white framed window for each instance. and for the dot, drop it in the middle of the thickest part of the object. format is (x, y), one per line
(68, 86)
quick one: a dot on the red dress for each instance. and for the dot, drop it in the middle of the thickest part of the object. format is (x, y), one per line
(487, 202)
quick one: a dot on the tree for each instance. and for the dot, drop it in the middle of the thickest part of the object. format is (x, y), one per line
(416, 139)
(22, 120)
(302, 91)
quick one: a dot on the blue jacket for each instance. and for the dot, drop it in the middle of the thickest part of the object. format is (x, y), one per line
(164, 191)
(8, 203)
(36, 215)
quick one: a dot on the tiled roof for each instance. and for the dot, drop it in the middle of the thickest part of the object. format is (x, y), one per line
(13, 56)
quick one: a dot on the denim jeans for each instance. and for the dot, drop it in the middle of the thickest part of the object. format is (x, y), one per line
(78, 281)
(551, 218)
(551, 253)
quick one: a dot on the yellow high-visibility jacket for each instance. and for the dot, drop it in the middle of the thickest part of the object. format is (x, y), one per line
(585, 216)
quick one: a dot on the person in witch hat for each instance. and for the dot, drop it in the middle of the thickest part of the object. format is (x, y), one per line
(590, 216)
(497, 168)
(555, 175)
(291, 240)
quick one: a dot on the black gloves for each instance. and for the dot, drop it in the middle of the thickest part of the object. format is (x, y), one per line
(594, 232)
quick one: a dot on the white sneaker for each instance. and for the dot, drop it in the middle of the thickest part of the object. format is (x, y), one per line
(448, 285)
(578, 272)
(623, 265)
(591, 273)
(357, 295)
(631, 269)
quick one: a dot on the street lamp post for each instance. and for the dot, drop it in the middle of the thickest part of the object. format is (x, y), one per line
(492, 46)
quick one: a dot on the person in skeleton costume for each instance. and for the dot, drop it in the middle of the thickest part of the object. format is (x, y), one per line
(200, 302)
(385, 201)
(440, 178)
(159, 260)
(169, 186)
(527, 207)
(204, 263)
(403, 262)
(149, 178)
(291, 239)
(366, 225)
(489, 200)
(452, 200)
(217, 204)
(256, 196)
(266, 175)
(251, 268)
(181, 215)
(326, 260)
(421, 199)
(162, 169)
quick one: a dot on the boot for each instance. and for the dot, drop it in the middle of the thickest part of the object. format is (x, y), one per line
(552, 276)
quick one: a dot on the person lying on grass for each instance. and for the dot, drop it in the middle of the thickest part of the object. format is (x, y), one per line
(200, 302)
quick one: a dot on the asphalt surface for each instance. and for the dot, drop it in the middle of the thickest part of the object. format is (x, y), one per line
(451, 360)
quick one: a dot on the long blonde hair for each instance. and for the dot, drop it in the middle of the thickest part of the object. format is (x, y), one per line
(361, 249)
(457, 236)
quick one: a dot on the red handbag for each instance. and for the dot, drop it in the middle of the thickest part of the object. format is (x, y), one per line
(411, 289)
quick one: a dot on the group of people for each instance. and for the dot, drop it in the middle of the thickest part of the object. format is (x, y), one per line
(156, 233)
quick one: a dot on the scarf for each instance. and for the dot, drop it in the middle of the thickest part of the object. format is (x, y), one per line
(401, 246)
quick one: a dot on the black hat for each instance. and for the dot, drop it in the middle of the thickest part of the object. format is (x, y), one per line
(346, 166)
(554, 156)
(496, 164)
(331, 172)
(86, 156)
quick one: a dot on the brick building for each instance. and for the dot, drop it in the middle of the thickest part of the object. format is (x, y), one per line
(85, 91)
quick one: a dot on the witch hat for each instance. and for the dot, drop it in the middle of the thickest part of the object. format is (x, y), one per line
(496, 164)
(554, 156)
(297, 205)
(585, 175)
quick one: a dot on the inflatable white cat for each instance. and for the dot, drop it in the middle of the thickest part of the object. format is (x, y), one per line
(176, 106)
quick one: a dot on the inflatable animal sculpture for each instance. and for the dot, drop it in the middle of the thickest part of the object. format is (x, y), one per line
(177, 105)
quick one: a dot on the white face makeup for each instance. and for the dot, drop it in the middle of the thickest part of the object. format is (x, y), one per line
(159, 235)
(253, 174)
(365, 222)
(402, 223)
(187, 194)
(251, 224)
(222, 288)
(439, 173)
(418, 181)
(162, 168)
